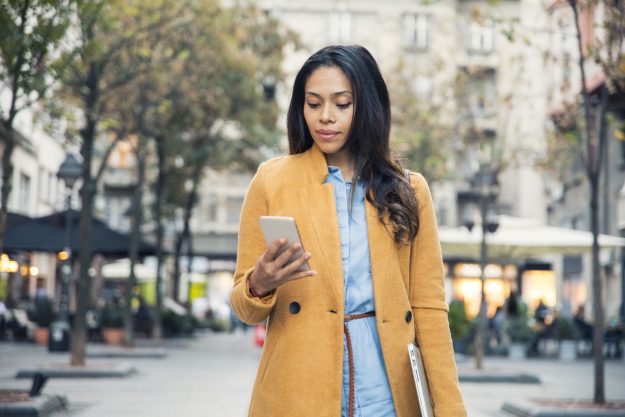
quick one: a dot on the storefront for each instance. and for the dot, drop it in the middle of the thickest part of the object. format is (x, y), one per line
(465, 284)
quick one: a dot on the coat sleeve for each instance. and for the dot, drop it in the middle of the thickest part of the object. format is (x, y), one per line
(251, 246)
(427, 297)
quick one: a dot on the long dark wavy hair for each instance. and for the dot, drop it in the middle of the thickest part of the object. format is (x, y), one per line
(386, 186)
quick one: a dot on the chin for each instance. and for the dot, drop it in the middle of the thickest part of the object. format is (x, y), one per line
(329, 148)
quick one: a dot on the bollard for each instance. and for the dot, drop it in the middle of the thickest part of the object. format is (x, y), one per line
(39, 380)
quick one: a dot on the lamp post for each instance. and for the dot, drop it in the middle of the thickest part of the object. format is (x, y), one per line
(69, 172)
(485, 188)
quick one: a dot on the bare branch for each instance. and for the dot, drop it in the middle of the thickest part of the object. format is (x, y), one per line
(107, 154)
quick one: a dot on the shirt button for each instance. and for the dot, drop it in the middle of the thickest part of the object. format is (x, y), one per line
(408, 316)
(294, 307)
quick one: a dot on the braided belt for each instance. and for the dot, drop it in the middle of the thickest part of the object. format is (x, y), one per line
(350, 356)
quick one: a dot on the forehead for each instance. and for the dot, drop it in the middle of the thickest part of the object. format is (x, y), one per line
(327, 80)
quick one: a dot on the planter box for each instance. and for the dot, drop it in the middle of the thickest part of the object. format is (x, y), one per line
(568, 350)
(113, 336)
(517, 351)
(41, 335)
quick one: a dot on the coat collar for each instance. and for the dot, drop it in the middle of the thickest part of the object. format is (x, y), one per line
(315, 164)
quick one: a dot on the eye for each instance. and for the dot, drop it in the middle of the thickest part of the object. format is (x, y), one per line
(313, 105)
(343, 106)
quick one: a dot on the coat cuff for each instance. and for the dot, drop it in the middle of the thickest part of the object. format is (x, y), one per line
(250, 309)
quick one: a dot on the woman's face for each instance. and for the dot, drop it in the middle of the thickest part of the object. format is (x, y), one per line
(328, 109)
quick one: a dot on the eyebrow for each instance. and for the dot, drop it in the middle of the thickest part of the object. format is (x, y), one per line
(338, 93)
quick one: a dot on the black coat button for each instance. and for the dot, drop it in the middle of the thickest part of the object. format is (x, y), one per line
(294, 307)
(408, 316)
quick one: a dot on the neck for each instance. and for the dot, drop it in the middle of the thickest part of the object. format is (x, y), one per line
(343, 161)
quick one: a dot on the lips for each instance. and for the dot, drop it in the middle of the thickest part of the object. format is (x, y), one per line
(327, 134)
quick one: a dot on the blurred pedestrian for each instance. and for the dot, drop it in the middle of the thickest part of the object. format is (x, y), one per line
(584, 328)
(541, 312)
(496, 324)
(3, 319)
(370, 232)
(143, 318)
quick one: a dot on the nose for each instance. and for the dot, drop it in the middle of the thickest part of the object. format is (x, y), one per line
(326, 115)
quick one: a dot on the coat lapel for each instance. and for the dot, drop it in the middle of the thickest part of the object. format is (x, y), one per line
(322, 221)
(381, 250)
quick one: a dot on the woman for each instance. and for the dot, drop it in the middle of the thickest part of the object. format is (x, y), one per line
(337, 334)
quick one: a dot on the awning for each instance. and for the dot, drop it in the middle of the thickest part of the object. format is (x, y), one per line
(47, 234)
(519, 238)
(121, 270)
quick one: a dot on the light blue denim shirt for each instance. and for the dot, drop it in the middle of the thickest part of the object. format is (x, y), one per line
(372, 391)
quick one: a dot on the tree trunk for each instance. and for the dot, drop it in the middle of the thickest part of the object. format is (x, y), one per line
(189, 266)
(87, 194)
(597, 283)
(480, 334)
(157, 331)
(135, 238)
(185, 234)
(7, 176)
(9, 140)
(175, 283)
(593, 171)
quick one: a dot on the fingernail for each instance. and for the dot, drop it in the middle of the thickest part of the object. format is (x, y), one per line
(282, 241)
(307, 255)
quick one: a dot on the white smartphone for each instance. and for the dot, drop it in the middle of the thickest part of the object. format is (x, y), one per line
(277, 227)
(420, 380)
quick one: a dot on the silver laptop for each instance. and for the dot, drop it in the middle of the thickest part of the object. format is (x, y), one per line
(420, 380)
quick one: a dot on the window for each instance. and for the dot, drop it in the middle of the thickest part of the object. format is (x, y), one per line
(481, 37)
(415, 28)
(211, 211)
(24, 194)
(44, 185)
(482, 93)
(340, 27)
(233, 209)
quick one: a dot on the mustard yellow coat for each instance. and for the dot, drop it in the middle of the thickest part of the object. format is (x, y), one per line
(300, 372)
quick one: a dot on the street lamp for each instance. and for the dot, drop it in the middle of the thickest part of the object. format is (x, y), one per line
(69, 172)
(485, 189)
(269, 87)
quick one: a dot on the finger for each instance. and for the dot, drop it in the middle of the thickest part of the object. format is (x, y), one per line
(294, 266)
(301, 274)
(271, 251)
(284, 257)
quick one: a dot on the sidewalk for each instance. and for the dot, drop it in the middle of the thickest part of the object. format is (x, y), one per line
(212, 375)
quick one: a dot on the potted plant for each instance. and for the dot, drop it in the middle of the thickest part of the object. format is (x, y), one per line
(459, 325)
(520, 334)
(111, 320)
(42, 313)
(566, 333)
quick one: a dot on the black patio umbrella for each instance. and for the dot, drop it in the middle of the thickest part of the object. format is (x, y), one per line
(47, 234)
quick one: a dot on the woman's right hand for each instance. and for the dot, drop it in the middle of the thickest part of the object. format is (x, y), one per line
(271, 271)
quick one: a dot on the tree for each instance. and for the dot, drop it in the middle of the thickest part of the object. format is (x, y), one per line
(31, 30)
(609, 52)
(202, 104)
(222, 107)
(107, 55)
(419, 132)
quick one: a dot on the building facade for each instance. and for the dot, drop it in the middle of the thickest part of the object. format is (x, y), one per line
(569, 197)
(482, 64)
(36, 191)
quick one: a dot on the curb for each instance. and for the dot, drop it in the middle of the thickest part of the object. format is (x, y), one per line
(40, 406)
(133, 353)
(526, 409)
(500, 378)
(115, 371)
